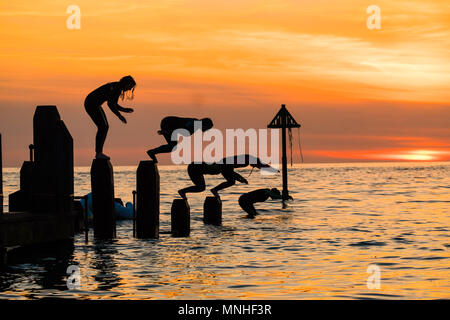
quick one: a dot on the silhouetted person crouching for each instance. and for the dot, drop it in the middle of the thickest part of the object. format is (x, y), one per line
(109, 93)
(197, 173)
(169, 125)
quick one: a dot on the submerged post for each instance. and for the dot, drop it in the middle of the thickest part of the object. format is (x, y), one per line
(147, 206)
(102, 183)
(212, 211)
(1, 177)
(180, 218)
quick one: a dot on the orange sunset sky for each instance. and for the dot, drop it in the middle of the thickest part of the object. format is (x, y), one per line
(360, 94)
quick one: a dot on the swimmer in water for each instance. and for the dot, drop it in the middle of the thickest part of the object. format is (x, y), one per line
(247, 200)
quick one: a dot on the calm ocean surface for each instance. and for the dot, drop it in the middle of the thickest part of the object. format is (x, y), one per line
(345, 217)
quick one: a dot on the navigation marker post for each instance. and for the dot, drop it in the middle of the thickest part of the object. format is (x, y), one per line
(283, 120)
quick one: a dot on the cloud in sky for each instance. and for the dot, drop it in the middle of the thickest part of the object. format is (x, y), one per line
(201, 58)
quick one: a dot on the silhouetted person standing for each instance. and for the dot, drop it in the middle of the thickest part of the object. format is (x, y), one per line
(169, 125)
(109, 93)
(197, 172)
(247, 200)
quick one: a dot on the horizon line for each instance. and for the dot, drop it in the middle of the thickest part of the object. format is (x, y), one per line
(348, 162)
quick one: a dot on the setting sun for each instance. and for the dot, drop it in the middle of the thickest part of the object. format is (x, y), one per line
(415, 155)
(212, 151)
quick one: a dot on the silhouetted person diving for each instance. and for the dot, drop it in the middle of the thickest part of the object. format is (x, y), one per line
(110, 93)
(247, 200)
(169, 125)
(197, 173)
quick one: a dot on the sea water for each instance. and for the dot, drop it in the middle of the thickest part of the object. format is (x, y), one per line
(345, 220)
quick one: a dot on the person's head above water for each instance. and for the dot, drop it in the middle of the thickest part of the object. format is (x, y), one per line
(274, 194)
(275, 191)
(127, 83)
(206, 124)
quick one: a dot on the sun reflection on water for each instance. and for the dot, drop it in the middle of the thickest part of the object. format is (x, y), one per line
(344, 218)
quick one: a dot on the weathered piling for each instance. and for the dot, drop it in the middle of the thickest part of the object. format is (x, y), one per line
(53, 176)
(134, 213)
(212, 211)
(85, 219)
(46, 181)
(1, 177)
(102, 184)
(180, 218)
(147, 205)
(20, 200)
(46, 189)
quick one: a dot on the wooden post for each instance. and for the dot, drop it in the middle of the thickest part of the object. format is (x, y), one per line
(134, 213)
(86, 217)
(212, 211)
(53, 175)
(180, 218)
(285, 192)
(284, 120)
(21, 200)
(31, 148)
(102, 183)
(147, 189)
(1, 177)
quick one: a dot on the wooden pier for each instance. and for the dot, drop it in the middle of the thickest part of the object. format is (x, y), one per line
(41, 212)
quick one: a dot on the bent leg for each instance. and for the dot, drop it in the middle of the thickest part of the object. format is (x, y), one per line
(98, 116)
(197, 178)
(223, 185)
(166, 148)
(228, 174)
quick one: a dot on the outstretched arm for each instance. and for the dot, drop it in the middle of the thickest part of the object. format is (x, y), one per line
(238, 177)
